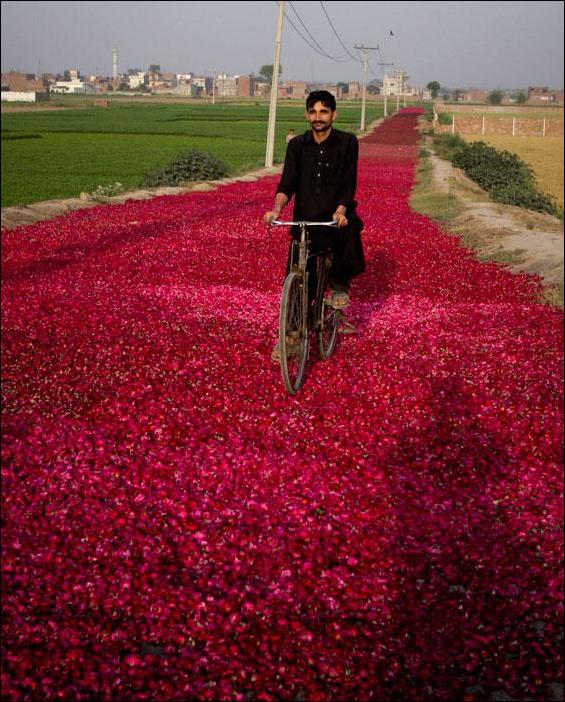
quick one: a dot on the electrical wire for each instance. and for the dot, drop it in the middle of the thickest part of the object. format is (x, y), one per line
(338, 59)
(337, 35)
(324, 54)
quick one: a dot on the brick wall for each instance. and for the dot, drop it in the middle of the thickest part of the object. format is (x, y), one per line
(492, 109)
(19, 82)
(502, 125)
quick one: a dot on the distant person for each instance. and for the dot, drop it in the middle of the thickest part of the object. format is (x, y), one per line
(320, 171)
(290, 135)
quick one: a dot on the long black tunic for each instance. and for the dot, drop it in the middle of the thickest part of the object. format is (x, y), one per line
(321, 177)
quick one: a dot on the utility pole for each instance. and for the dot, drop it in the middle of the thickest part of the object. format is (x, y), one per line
(365, 51)
(400, 78)
(213, 88)
(274, 90)
(381, 63)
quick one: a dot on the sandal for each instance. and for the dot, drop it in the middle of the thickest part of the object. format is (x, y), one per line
(338, 300)
(346, 327)
(291, 341)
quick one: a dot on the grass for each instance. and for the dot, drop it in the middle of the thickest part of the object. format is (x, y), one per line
(510, 256)
(543, 154)
(61, 153)
(553, 295)
(429, 200)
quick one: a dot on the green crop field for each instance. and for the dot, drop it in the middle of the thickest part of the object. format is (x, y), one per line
(61, 153)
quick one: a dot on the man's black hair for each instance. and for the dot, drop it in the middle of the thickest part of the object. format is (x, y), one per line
(323, 96)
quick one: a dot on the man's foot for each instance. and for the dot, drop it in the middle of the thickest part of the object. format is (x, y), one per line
(346, 327)
(291, 347)
(338, 300)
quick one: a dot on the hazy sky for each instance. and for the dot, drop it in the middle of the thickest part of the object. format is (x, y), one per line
(459, 44)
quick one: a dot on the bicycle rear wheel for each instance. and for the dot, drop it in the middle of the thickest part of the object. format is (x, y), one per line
(327, 318)
(293, 333)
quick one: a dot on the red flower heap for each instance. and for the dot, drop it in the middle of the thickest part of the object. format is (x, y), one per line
(177, 527)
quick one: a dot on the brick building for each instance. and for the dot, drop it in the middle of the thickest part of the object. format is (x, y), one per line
(226, 85)
(296, 89)
(246, 86)
(353, 90)
(474, 96)
(545, 96)
(23, 83)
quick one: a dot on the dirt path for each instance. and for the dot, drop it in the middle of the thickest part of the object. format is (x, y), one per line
(534, 239)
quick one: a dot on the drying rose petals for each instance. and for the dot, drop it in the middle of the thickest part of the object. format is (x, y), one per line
(177, 527)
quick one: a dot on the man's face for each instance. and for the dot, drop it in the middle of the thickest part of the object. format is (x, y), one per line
(320, 117)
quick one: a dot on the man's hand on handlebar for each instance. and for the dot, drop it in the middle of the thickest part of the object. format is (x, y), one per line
(270, 216)
(340, 218)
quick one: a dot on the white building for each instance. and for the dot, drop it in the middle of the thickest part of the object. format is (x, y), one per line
(395, 84)
(23, 96)
(226, 85)
(136, 80)
(72, 87)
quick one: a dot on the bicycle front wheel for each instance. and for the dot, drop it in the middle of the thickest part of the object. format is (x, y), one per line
(327, 318)
(293, 332)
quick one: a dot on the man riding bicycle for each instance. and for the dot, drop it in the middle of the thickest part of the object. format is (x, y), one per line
(320, 171)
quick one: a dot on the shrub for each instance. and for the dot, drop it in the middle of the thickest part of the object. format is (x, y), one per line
(532, 199)
(446, 145)
(189, 166)
(503, 175)
(495, 97)
(109, 190)
(489, 167)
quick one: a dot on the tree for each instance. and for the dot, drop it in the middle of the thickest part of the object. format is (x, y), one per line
(266, 72)
(520, 97)
(154, 68)
(434, 86)
(495, 97)
(344, 87)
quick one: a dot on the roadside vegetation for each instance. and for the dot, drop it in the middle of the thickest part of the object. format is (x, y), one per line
(502, 174)
(61, 153)
(429, 200)
(544, 156)
(447, 205)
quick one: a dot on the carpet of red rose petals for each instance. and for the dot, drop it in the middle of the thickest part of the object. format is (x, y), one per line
(177, 527)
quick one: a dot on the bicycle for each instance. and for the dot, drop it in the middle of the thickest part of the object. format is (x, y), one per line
(299, 315)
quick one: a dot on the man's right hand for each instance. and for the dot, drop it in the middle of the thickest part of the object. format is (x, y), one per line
(270, 216)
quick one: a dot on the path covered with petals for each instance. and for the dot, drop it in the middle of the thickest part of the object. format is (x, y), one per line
(177, 527)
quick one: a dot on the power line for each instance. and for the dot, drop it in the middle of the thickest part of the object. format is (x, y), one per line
(302, 36)
(339, 59)
(337, 35)
(314, 48)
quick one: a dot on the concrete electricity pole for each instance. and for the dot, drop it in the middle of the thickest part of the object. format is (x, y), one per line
(274, 90)
(365, 50)
(381, 63)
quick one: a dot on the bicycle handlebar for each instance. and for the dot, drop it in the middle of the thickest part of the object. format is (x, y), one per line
(279, 223)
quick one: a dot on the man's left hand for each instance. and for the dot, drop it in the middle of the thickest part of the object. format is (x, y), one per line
(341, 219)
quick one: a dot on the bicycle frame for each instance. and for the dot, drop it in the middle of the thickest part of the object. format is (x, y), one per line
(303, 243)
(293, 362)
